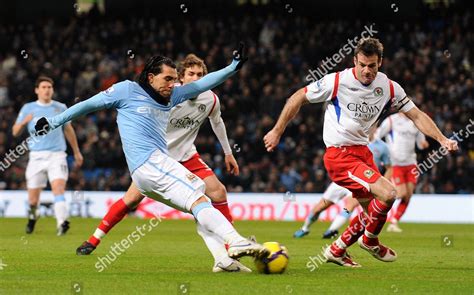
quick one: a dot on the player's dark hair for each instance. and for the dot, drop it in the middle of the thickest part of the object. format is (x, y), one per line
(369, 47)
(189, 61)
(154, 65)
(43, 79)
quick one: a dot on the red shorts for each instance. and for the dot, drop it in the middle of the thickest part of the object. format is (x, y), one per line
(352, 167)
(404, 174)
(197, 166)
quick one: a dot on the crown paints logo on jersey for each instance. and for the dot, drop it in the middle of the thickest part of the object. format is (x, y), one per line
(363, 108)
(184, 123)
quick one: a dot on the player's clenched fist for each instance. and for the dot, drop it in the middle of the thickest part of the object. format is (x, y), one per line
(271, 140)
(450, 145)
(42, 126)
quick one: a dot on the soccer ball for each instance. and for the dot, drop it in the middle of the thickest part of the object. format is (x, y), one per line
(275, 262)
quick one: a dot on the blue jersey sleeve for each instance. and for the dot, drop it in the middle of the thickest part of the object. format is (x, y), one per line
(208, 82)
(110, 98)
(23, 113)
(63, 107)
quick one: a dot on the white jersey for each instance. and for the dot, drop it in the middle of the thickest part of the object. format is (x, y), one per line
(401, 136)
(185, 120)
(353, 107)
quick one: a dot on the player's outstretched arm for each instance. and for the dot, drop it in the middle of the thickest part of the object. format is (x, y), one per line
(95, 103)
(109, 98)
(424, 123)
(292, 106)
(210, 80)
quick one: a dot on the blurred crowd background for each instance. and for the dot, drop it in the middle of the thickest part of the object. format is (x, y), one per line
(430, 56)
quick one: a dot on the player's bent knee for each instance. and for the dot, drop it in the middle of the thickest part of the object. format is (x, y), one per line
(391, 195)
(133, 200)
(219, 194)
(201, 199)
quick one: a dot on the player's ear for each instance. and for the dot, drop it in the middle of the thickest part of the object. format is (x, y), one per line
(150, 78)
(36, 90)
(355, 61)
(380, 62)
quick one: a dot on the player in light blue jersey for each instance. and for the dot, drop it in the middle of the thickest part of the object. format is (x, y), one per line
(143, 110)
(334, 193)
(47, 157)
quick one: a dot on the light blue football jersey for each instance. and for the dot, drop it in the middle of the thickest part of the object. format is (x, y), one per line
(141, 120)
(53, 141)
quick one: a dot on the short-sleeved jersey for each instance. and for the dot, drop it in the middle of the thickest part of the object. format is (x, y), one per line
(381, 153)
(184, 122)
(53, 141)
(354, 107)
(401, 135)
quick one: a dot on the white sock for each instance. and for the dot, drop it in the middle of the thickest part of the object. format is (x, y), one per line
(339, 221)
(214, 244)
(212, 220)
(60, 209)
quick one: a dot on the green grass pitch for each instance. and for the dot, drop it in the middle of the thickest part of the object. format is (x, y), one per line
(172, 259)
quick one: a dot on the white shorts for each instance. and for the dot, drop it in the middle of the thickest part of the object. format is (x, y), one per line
(44, 165)
(165, 180)
(335, 193)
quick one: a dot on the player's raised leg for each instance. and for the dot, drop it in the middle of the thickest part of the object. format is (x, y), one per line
(222, 261)
(377, 211)
(376, 195)
(217, 192)
(165, 180)
(337, 253)
(116, 213)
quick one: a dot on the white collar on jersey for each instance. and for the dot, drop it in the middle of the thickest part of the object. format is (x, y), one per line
(44, 104)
